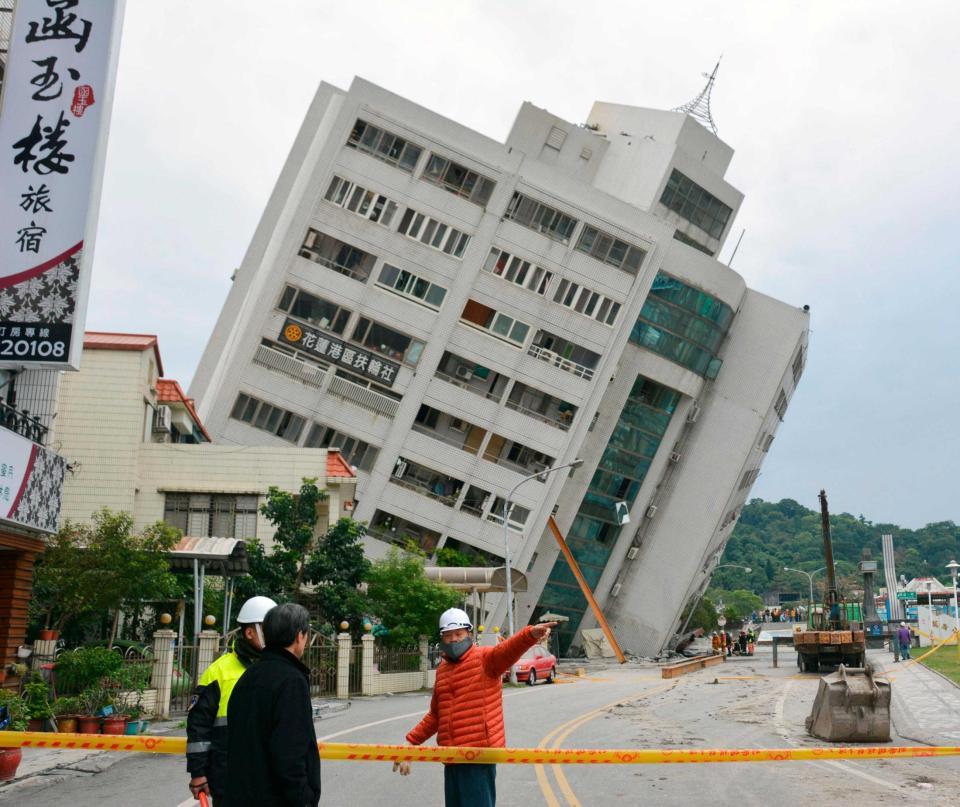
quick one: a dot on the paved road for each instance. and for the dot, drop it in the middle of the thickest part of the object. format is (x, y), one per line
(744, 703)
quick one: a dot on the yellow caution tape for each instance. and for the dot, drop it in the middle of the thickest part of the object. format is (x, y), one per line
(357, 752)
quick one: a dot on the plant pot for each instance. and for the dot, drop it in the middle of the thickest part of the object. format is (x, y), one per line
(9, 762)
(132, 726)
(88, 724)
(144, 725)
(67, 723)
(36, 724)
(114, 725)
(49, 635)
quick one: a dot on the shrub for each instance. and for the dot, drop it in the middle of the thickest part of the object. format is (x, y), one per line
(11, 704)
(84, 667)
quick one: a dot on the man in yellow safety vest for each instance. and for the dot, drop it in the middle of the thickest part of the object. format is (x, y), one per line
(207, 717)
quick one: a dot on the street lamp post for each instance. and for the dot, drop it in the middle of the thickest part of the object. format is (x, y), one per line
(506, 535)
(953, 566)
(809, 578)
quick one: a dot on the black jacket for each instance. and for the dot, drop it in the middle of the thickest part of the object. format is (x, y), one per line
(272, 757)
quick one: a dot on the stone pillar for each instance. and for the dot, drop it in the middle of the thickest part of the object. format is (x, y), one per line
(43, 650)
(366, 673)
(207, 646)
(343, 666)
(161, 678)
(425, 660)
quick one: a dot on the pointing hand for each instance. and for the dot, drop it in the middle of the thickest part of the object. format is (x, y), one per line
(542, 630)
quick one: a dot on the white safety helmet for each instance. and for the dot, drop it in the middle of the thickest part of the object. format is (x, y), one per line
(454, 619)
(254, 610)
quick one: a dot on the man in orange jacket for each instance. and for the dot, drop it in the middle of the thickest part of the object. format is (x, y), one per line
(467, 704)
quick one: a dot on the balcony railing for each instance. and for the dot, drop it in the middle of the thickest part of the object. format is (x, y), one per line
(358, 272)
(425, 490)
(456, 440)
(288, 365)
(559, 361)
(526, 470)
(22, 423)
(561, 420)
(450, 379)
(363, 396)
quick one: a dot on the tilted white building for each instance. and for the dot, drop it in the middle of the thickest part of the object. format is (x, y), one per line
(455, 313)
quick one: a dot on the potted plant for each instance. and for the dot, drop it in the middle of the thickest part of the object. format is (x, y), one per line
(12, 718)
(131, 715)
(67, 711)
(92, 700)
(47, 634)
(37, 705)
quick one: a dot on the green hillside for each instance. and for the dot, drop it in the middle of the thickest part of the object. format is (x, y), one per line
(772, 535)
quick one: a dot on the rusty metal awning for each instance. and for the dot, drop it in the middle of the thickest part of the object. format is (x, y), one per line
(226, 557)
(477, 578)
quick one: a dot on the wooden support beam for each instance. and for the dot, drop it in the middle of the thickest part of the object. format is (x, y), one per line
(575, 568)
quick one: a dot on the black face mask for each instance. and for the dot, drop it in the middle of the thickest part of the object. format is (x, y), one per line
(454, 650)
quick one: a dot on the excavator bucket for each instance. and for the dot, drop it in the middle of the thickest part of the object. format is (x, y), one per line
(852, 706)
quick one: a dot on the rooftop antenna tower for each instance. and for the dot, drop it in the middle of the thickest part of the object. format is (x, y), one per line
(699, 107)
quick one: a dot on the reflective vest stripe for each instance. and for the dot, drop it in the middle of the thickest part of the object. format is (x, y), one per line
(199, 747)
(220, 721)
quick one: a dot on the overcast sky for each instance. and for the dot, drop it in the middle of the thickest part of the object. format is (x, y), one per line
(844, 118)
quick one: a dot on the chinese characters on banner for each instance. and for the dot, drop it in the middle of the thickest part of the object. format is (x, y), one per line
(53, 123)
(324, 346)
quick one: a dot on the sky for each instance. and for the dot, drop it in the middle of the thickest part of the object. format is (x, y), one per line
(843, 117)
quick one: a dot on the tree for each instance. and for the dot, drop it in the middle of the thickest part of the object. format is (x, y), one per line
(337, 567)
(102, 566)
(405, 600)
(704, 615)
(295, 516)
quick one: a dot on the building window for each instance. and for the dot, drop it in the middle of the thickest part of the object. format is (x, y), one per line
(475, 500)
(516, 516)
(433, 233)
(610, 250)
(767, 442)
(749, 478)
(587, 302)
(477, 378)
(366, 203)
(683, 324)
(683, 238)
(517, 456)
(702, 209)
(426, 481)
(556, 138)
(407, 284)
(540, 217)
(494, 322)
(268, 418)
(449, 429)
(337, 255)
(353, 450)
(798, 363)
(315, 310)
(458, 179)
(518, 271)
(384, 146)
(212, 515)
(387, 341)
(781, 405)
(396, 530)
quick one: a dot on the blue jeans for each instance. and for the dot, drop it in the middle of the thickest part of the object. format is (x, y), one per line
(470, 785)
(904, 650)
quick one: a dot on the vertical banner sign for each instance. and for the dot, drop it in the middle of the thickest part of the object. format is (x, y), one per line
(55, 112)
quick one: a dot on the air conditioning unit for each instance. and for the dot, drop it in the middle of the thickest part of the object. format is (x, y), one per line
(464, 372)
(615, 591)
(632, 552)
(651, 511)
(162, 418)
(675, 456)
(694, 413)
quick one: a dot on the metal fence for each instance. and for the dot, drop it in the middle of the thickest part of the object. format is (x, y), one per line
(396, 659)
(184, 677)
(320, 657)
(355, 686)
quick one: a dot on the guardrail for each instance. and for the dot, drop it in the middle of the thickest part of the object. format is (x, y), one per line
(276, 360)
(556, 360)
(363, 396)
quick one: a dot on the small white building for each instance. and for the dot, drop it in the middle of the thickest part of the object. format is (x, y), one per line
(134, 442)
(457, 313)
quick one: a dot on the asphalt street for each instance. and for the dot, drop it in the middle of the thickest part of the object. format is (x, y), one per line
(744, 703)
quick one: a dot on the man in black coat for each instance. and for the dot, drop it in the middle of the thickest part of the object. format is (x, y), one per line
(272, 754)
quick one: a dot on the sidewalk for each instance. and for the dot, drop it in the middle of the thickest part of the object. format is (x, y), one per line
(926, 706)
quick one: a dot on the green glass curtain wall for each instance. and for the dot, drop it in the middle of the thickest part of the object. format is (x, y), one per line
(619, 476)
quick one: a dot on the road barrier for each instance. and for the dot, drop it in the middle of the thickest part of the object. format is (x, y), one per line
(690, 665)
(355, 752)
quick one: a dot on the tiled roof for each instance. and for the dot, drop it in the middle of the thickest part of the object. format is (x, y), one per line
(170, 391)
(337, 466)
(102, 340)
